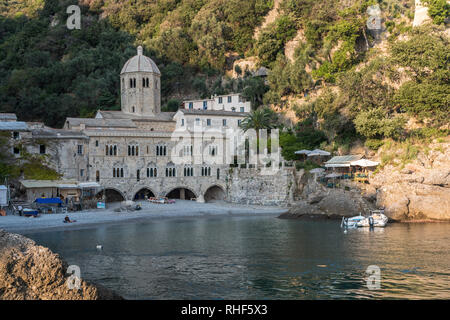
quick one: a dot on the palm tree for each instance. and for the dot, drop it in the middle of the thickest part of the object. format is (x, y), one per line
(259, 119)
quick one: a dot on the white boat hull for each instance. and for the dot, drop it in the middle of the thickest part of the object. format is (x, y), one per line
(376, 219)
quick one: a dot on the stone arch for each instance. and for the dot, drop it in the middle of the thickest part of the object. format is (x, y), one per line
(112, 195)
(142, 192)
(215, 193)
(182, 193)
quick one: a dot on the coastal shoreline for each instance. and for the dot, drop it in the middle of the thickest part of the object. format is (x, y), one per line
(99, 217)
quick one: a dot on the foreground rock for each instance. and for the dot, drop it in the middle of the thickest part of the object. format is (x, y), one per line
(32, 272)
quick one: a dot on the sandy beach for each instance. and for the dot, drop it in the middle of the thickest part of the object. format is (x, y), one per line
(88, 218)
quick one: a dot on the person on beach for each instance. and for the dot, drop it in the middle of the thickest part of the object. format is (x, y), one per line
(67, 220)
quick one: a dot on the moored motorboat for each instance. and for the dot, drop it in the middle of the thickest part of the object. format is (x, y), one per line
(376, 218)
(352, 222)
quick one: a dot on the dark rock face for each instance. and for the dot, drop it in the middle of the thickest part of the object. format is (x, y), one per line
(32, 272)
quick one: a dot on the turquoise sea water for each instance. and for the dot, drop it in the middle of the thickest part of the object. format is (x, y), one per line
(259, 257)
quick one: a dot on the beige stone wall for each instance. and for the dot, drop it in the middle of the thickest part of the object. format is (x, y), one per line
(146, 101)
(249, 186)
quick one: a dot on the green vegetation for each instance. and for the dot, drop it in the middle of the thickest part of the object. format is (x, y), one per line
(29, 166)
(439, 10)
(343, 88)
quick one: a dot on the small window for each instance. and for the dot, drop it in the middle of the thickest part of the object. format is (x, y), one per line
(242, 109)
(224, 122)
(80, 149)
(182, 122)
(42, 149)
(81, 172)
(97, 176)
(208, 122)
(15, 135)
(239, 122)
(218, 174)
(220, 100)
(133, 109)
(197, 121)
(138, 175)
(229, 99)
(191, 105)
(96, 143)
(205, 105)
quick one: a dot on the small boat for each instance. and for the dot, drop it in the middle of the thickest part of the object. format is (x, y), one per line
(376, 218)
(352, 222)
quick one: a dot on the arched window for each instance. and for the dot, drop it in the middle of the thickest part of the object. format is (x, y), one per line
(147, 82)
(137, 150)
(138, 175)
(129, 150)
(106, 150)
(110, 150)
(114, 172)
(133, 109)
(115, 150)
(134, 82)
(121, 172)
(143, 82)
(131, 83)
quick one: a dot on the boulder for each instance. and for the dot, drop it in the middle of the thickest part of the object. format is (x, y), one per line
(32, 272)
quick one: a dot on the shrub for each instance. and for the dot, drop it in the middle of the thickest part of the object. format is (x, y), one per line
(374, 144)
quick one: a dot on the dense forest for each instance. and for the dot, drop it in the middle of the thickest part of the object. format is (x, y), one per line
(344, 82)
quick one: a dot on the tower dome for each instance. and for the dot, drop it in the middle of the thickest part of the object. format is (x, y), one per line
(140, 86)
(140, 63)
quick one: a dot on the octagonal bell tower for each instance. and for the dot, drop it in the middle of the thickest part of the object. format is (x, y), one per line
(140, 86)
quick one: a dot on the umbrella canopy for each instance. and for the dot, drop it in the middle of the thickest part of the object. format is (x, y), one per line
(364, 163)
(317, 170)
(318, 152)
(302, 151)
(333, 175)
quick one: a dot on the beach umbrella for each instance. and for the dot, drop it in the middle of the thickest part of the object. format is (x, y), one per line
(364, 163)
(302, 151)
(318, 152)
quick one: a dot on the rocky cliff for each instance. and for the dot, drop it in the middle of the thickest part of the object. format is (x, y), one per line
(418, 191)
(315, 201)
(32, 272)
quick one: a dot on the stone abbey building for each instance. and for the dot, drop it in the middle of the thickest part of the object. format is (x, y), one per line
(140, 151)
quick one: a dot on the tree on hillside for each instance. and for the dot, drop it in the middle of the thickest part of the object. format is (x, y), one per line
(259, 119)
